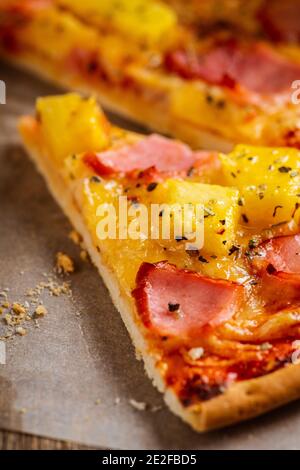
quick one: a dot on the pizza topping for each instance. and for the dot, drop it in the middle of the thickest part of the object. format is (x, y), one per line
(279, 255)
(179, 303)
(277, 261)
(255, 67)
(280, 20)
(154, 151)
(196, 353)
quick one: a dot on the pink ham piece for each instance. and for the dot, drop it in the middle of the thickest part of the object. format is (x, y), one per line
(280, 255)
(256, 67)
(277, 261)
(164, 154)
(179, 303)
(280, 20)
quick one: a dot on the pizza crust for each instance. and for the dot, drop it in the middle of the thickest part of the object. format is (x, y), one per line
(126, 104)
(240, 401)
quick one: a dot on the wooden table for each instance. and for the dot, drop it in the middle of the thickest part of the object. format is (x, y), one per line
(17, 441)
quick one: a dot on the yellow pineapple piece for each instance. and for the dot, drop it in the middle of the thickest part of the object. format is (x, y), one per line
(56, 33)
(72, 124)
(209, 107)
(148, 22)
(220, 209)
(269, 183)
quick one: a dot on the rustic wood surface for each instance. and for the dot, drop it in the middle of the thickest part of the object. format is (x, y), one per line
(17, 441)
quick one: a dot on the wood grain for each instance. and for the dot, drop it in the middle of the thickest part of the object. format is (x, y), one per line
(17, 441)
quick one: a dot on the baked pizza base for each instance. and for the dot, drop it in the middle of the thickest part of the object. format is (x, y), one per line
(129, 105)
(240, 401)
(155, 83)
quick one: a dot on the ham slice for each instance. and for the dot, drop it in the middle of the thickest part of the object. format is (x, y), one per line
(179, 303)
(166, 155)
(280, 20)
(257, 67)
(278, 264)
(279, 255)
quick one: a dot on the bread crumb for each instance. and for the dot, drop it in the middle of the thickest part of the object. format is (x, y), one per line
(18, 308)
(64, 264)
(30, 293)
(75, 237)
(84, 255)
(138, 405)
(155, 409)
(6, 305)
(98, 401)
(8, 319)
(41, 311)
(21, 331)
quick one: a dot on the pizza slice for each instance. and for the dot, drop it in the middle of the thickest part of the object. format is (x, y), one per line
(208, 15)
(210, 90)
(272, 20)
(217, 323)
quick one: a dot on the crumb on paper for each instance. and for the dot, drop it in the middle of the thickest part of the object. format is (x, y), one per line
(64, 264)
(84, 255)
(138, 405)
(156, 408)
(117, 400)
(18, 315)
(8, 335)
(98, 401)
(18, 308)
(23, 410)
(78, 241)
(41, 310)
(8, 319)
(75, 237)
(21, 331)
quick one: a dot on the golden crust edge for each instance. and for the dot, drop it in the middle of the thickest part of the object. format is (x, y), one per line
(239, 402)
(130, 108)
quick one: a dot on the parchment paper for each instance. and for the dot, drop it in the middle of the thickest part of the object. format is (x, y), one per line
(74, 376)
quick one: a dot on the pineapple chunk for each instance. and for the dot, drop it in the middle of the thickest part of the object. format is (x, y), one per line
(269, 183)
(143, 21)
(209, 107)
(56, 34)
(220, 209)
(71, 124)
